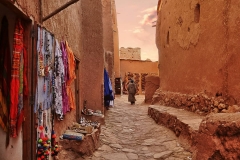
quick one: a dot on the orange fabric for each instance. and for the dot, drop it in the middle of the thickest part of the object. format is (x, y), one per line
(71, 64)
(72, 75)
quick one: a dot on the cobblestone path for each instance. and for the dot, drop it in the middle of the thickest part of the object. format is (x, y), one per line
(129, 133)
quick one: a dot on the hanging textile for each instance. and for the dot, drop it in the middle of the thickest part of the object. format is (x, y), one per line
(65, 79)
(17, 49)
(45, 77)
(45, 90)
(57, 82)
(108, 92)
(72, 75)
(5, 76)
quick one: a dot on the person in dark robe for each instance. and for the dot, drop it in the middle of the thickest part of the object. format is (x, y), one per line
(131, 92)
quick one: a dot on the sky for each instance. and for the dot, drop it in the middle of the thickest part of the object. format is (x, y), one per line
(134, 18)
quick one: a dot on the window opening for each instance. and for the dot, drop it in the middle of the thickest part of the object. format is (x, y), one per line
(197, 13)
(168, 38)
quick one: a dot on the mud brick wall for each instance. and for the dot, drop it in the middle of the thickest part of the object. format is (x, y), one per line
(198, 42)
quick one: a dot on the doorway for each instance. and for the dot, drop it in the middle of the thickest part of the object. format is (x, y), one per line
(22, 144)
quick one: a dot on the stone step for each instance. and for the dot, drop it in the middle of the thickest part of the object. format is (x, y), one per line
(184, 124)
(215, 136)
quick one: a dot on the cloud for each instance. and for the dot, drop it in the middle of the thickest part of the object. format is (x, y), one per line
(144, 31)
(150, 15)
(138, 30)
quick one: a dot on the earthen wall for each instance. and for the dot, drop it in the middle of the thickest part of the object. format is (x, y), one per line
(108, 38)
(198, 47)
(130, 53)
(115, 41)
(92, 57)
(137, 70)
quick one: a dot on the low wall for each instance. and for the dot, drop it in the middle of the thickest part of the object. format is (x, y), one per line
(199, 103)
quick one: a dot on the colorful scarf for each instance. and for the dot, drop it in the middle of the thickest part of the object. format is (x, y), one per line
(17, 50)
(72, 75)
(65, 79)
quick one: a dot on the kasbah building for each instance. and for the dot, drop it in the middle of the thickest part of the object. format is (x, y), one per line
(197, 70)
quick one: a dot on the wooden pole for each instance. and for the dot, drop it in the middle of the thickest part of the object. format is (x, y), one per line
(59, 9)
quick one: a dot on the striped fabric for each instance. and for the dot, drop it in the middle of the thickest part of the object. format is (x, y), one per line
(17, 51)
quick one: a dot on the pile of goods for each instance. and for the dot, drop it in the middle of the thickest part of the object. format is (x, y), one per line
(79, 130)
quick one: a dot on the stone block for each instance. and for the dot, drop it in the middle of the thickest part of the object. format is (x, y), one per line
(87, 146)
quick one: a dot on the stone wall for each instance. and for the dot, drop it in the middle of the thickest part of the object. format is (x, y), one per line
(218, 137)
(130, 53)
(198, 47)
(200, 103)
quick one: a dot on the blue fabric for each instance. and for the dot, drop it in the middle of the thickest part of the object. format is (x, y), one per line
(107, 89)
(108, 92)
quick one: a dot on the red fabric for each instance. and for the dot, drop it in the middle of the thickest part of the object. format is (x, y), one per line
(17, 49)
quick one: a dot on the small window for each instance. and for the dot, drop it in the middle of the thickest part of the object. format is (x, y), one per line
(168, 38)
(197, 13)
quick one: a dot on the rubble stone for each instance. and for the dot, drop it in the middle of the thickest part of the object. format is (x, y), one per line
(199, 103)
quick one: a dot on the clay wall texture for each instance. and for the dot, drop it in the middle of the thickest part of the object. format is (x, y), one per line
(115, 41)
(30, 8)
(135, 66)
(66, 25)
(109, 60)
(107, 25)
(130, 53)
(92, 56)
(198, 44)
(151, 85)
(136, 70)
(108, 38)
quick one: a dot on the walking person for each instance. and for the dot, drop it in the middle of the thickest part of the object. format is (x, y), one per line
(131, 92)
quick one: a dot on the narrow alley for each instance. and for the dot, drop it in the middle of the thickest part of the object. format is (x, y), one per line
(129, 133)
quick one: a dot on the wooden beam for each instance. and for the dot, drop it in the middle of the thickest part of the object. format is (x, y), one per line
(59, 9)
